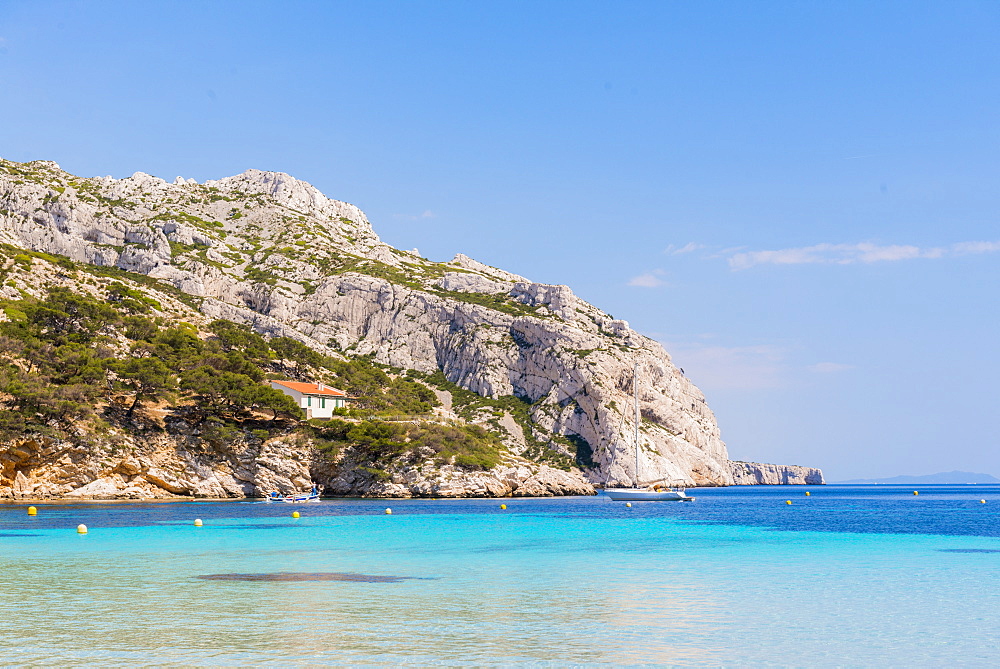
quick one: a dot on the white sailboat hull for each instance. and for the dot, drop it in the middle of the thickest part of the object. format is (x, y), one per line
(645, 495)
(636, 493)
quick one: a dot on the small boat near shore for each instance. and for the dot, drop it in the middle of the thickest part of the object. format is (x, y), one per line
(652, 492)
(311, 496)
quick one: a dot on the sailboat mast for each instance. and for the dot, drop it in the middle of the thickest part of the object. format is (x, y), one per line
(635, 394)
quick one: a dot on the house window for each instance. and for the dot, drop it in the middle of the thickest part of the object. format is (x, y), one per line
(322, 403)
(309, 401)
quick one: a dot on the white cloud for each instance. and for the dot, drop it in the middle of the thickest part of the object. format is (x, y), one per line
(849, 254)
(733, 368)
(744, 368)
(723, 253)
(829, 367)
(648, 279)
(427, 213)
(968, 248)
(687, 248)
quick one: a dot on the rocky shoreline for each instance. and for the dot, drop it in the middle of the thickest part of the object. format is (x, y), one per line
(169, 471)
(168, 467)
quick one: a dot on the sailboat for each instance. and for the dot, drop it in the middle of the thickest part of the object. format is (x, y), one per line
(649, 493)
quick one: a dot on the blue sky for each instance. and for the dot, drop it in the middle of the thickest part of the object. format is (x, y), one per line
(798, 199)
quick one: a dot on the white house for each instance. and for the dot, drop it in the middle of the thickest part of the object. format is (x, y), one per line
(317, 400)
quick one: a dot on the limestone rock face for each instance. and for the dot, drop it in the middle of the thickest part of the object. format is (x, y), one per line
(271, 251)
(157, 465)
(167, 466)
(514, 478)
(756, 473)
(289, 192)
(474, 283)
(110, 487)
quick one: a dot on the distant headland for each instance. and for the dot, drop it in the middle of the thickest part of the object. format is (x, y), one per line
(955, 477)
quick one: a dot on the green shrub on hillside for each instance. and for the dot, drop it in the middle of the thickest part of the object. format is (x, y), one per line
(61, 356)
(379, 444)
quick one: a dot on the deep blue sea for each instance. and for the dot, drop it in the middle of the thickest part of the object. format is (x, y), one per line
(847, 576)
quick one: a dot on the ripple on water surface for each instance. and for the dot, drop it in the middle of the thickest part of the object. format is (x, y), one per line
(306, 576)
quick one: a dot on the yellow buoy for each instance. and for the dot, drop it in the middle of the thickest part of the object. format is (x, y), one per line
(388, 512)
(32, 511)
(915, 492)
(628, 504)
(197, 522)
(788, 501)
(808, 493)
(503, 506)
(296, 514)
(81, 529)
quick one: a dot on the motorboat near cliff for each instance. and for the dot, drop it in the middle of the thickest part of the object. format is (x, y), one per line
(312, 496)
(653, 492)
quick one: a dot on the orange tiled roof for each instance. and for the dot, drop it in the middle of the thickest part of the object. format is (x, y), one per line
(311, 388)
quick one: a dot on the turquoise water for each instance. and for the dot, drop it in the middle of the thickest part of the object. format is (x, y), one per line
(857, 576)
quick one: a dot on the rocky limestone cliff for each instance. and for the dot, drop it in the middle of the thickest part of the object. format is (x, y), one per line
(756, 473)
(270, 251)
(144, 464)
